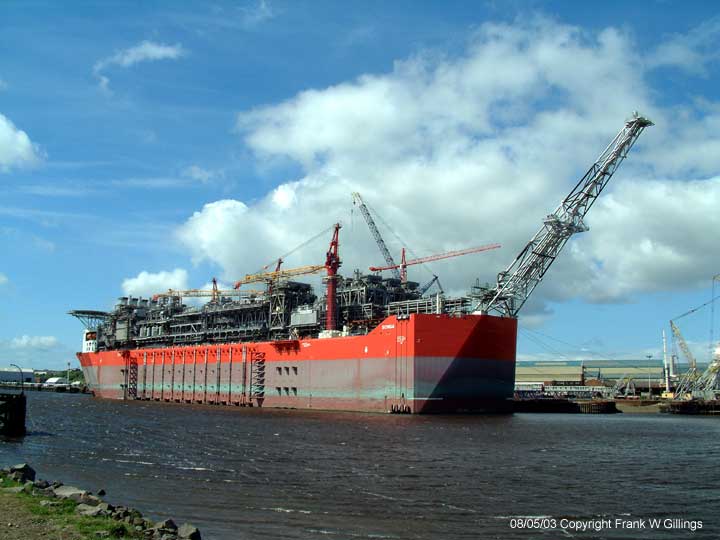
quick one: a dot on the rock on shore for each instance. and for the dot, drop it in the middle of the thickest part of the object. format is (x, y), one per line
(93, 506)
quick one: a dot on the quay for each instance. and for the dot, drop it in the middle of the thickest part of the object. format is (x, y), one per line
(692, 407)
(40, 387)
(563, 405)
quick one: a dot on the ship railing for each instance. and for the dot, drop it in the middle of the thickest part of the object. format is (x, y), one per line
(431, 304)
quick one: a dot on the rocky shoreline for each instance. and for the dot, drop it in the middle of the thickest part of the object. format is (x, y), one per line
(87, 504)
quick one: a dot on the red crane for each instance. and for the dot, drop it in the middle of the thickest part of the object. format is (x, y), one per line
(404, 263)
(332, 263)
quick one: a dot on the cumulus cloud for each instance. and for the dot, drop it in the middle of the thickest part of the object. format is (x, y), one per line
(34, 342)
(662, 228)
(146, 51)
(16, 148)
(39, 352)
(462, 151)
(147, 283)
(692, 51)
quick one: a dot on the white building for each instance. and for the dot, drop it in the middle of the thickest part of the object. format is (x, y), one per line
(56, 381)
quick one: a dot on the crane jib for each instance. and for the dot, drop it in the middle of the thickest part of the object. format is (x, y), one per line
(515, 284)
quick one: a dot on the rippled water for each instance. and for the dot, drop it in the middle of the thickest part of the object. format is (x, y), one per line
(249, 473)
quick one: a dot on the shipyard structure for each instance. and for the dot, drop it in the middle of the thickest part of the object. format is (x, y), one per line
(368, 342)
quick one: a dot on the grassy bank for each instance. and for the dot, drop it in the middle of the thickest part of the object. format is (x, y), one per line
(34, 517)
(36, 509)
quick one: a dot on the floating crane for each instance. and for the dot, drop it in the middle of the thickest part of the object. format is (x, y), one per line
(357, 199)
(516, 283)
(405, 263)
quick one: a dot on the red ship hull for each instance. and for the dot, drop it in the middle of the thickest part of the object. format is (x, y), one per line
(419, 364)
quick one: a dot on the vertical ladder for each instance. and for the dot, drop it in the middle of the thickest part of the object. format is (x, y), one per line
(132, 379)
(131, 376)
(257, 376)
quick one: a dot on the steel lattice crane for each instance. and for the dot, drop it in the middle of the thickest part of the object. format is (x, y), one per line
(425, 288)
(517, 282)
(332, 263)
(686, 383)
(215, 294)
(404, 263)
(279, 274)
(683, 345)
(707, 385)
(357, 199)
(331, 266)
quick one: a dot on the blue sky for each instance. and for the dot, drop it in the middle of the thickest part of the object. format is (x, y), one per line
(147, 145)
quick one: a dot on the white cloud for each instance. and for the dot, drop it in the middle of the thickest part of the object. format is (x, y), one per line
(146, 51)
(39, 352)
(68, 189)
(646, 236)
(254, 15)
(455, 152)
(146, 283)
(16, 148)
(198, 173)
(143, 52)
(692, 51)
(3, 279)
(150, 183)
(34, 342)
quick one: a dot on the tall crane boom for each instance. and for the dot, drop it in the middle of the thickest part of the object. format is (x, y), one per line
(425, 288)
(357, 199)
(429, 258)
(708, 384)
(279, 274)
(687, 382)
(517, 282)
(683, 345)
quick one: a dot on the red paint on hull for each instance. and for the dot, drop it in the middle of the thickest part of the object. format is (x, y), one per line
(424, 363)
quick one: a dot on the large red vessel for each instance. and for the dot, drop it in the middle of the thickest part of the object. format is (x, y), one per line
(371, 343)
(421, 363)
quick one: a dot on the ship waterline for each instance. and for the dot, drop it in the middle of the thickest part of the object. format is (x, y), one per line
(421, 363)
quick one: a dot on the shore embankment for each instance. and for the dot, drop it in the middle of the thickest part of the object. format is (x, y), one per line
(34, 509)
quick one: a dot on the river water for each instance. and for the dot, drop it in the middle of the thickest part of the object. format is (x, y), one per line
(262, 473)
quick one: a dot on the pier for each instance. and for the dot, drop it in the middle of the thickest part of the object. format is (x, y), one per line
(692, 407)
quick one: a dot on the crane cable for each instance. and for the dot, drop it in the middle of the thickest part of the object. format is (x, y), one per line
(425, 266)
(711, 347)
(297, 248)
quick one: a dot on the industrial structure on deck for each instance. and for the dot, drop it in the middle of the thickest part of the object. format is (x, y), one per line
(369, 342)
